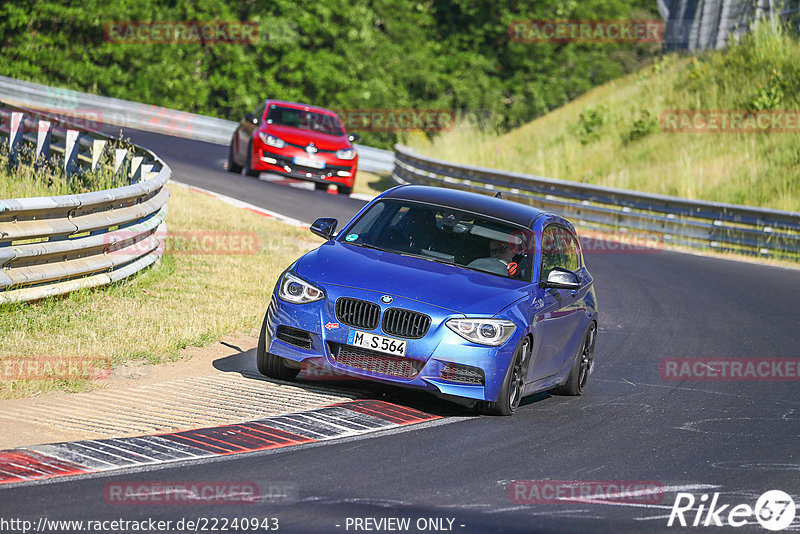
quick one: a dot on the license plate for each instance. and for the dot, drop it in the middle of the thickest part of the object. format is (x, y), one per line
(385, 344)
(308, 162)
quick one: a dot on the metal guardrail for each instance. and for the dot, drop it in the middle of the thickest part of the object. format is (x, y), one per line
(101, 109)
(54, 245)
(655, 218)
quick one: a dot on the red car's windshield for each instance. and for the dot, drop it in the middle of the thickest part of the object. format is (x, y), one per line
(305, 120)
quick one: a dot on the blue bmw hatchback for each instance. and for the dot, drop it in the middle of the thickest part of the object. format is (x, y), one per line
(470, 297)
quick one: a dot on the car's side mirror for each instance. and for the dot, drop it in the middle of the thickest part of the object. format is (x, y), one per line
(249, 117)
(354, 137)
(324, 227)
(559, 278)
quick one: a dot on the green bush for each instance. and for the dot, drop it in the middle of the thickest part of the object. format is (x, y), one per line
(589, 124)
(643, 126)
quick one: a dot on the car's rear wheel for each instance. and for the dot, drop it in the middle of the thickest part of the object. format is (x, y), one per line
(249, 167)
(343, 190)
(511, 390)
(581, 367)
(269, 364)
(232, 166)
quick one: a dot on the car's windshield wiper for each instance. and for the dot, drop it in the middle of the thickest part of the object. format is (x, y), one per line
(429, 258)
(369, 245)
(407, 254)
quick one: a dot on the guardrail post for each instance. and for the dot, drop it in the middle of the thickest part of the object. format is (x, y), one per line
(43, 139)
(98, 145)
(71, 151)
(120, 154)
(14, 137)
(136, 169)
(145, 173)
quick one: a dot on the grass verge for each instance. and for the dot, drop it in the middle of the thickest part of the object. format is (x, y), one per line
(371, 183)
(187, 300)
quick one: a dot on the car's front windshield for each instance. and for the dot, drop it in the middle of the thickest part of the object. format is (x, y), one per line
(305, 120)
(445, 235)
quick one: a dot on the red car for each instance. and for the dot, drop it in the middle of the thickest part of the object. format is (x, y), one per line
(298, 141)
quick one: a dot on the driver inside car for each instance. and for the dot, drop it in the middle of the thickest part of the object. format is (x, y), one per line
(501, 250)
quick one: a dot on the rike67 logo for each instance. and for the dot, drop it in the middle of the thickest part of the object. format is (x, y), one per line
(774, 510)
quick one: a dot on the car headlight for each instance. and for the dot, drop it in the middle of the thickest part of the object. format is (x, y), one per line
(345, 153)
(493, 332)
(271, 140)
(298, 291)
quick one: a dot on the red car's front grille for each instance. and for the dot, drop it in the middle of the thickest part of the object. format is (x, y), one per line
(375, 362)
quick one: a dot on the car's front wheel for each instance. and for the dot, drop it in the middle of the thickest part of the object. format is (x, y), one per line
(249, 169)
(232, 166)
(581, 367)
(511, 390)
(344, 190)
(269, 364)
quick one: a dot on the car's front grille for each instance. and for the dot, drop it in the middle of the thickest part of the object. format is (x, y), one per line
(456, 372)
(288, 161)
(358, 313)
(375, 362)
(294, 336)
(405, 323)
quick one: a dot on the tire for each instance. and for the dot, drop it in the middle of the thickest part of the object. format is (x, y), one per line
(510, 392)
(581, 367)
(342, 190)
(249, 164)
(269, 364)
(320, 186)
(232, 166)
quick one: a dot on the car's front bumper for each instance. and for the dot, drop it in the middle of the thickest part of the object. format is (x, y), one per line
(441, 362)
(281, 161)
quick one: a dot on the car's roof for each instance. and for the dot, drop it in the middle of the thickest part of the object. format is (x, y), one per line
(497, 208)
(298, 105)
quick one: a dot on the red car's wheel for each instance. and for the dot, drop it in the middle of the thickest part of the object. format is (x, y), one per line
(232, 166)
(249, 165)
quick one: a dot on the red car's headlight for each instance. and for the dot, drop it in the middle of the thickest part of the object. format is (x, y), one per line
(346, 153)
(271, 140)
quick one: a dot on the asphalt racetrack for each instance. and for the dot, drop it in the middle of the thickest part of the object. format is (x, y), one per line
(634, 426)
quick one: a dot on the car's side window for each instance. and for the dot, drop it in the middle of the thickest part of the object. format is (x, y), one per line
(571, 249)
(552, 252)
